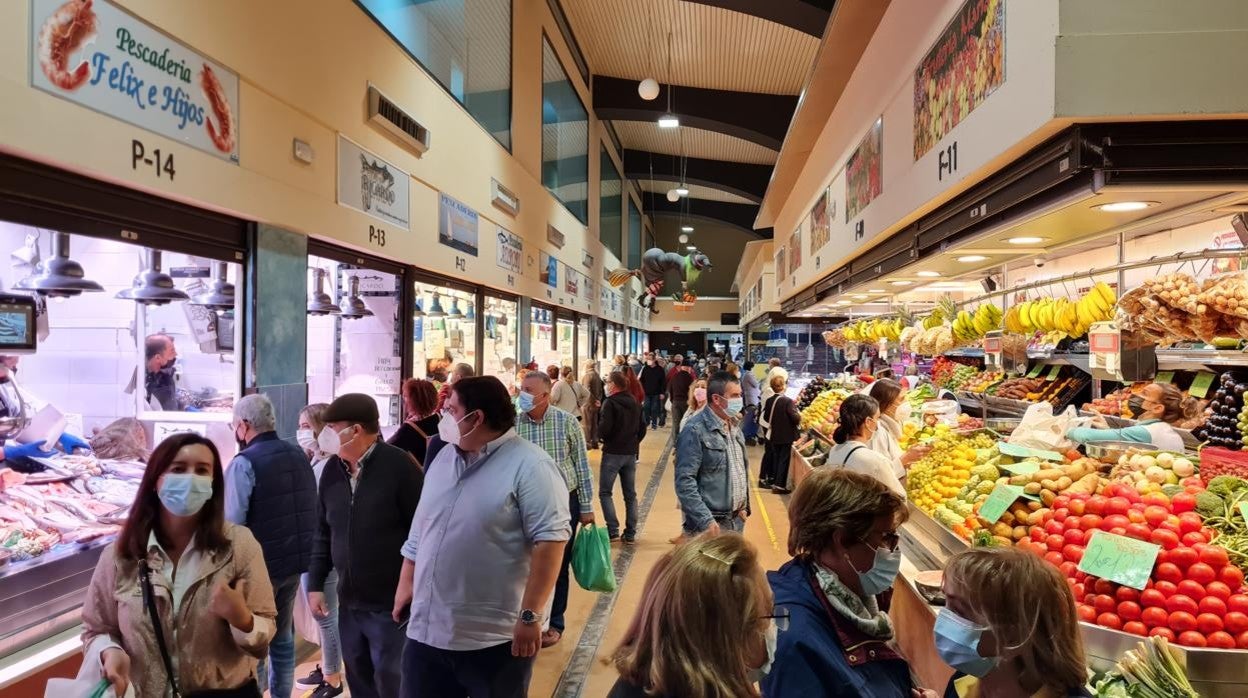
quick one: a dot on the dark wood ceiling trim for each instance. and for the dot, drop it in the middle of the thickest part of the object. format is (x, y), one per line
(758, 118)
(745, 180)
(806, 16)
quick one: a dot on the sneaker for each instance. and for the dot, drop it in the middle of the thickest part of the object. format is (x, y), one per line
(326, 691)
(312, 680)
(629, 539)
(613, 537)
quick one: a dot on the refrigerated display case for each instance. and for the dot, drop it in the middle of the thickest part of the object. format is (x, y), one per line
(501, 329)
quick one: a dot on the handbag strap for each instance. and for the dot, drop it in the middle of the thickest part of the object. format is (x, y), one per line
(149, 600)
(851, 454)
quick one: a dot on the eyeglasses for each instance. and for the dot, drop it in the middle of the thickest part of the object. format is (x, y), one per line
(780, 616)
(890, 540)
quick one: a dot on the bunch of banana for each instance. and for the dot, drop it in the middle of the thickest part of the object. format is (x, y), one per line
(968, 327)
(1061, 316)
(936, 319)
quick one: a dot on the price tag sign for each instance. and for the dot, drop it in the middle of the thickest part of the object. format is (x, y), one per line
(1053, 372)
(1035, 371)
(1243, 510)
(999, 500)
(1201, 384)
(1026, 467)
(1165, 377)
(1119, 559)
(1016, 451)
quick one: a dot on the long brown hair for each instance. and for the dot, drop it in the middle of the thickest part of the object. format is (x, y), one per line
(1029, 607)
(145, 512)
(887, 392)
(1179, 407)
(699, 612)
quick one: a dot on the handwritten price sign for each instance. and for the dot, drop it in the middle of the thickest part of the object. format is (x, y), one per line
(1119, 559)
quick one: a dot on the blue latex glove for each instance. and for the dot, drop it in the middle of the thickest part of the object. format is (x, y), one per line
(192, 408)
(68, 443)
(34, 449)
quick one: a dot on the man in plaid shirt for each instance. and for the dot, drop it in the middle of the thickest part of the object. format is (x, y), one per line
(559, 434)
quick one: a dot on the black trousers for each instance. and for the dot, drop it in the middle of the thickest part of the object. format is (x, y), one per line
(372, 649)
(560, 603)
(429, 672)
(781, 455)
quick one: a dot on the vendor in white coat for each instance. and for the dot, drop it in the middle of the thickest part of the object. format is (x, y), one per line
(894, 411)
(15, 400)
(1159, 408)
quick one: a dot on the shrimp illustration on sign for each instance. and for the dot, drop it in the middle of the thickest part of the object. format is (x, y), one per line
(222, 138)
(65, 31)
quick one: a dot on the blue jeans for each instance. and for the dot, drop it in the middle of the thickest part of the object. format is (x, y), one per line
(331, 649)
(372, 647)
(490, 673)
(278, 673)
(626, 468)
(651, 409)
(750, 426)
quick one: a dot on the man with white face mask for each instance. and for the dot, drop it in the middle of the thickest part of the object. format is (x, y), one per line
(483, 552)
(712, 471)
(368, 494)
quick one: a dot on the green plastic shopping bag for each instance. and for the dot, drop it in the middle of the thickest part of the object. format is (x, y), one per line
(591, 559)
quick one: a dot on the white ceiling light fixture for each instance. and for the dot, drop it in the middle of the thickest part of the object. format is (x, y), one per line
(673, 195)
(901, 282)
(860, 297)
(876, 290)
(648, 89)
(972, 258)
(1026, 240)
(683, 238)
(1126, 206)
(692, 248)
(686, 228)
(669, 118)
(928, 274)
(682, 191)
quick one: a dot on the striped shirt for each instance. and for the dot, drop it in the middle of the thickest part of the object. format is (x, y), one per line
(559, 434)
(738, 473)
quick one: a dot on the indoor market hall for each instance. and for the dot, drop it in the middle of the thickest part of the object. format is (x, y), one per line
(602, 349)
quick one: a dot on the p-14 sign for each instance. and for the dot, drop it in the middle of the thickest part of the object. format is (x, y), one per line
(95, 54)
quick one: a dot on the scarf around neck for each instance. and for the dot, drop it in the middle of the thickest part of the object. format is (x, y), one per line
(865, 615)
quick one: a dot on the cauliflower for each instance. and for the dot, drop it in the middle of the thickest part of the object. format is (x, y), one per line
(1209, 504)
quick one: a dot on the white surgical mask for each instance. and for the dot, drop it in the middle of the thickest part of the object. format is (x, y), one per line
(331, 442)
(448, 428)
(307, 440)
(757, 675)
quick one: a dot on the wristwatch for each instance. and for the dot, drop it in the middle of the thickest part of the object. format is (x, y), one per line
(529, 617)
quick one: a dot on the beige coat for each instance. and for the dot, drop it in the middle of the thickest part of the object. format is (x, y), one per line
(207, 655)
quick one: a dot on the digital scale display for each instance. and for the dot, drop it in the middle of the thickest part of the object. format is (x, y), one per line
(17, 324)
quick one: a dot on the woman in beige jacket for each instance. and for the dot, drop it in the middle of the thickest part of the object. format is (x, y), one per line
(208, 580)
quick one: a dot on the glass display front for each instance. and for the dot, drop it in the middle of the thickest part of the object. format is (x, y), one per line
(541, 337)
(582, 344)
(444, 330)
(502, 339)
(353, 334)
(566, 343)
(611, 346)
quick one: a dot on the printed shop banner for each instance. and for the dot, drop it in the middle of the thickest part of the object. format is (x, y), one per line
(101, 57)
(457, 225)
(821, 221)
(864, 171)
(510, 251)
(964, 67)
(371, 185)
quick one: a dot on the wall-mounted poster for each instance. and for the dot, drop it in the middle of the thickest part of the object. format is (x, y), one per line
(371, 185)
(549, 270)
(864, 171)
(821, 222)
(781, 269)
(510, 251)
(795, 251)
(570, 281)
(587, 287)
(457, 225)
(963, 67)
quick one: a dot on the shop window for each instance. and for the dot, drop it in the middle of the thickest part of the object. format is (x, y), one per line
(542, 338)
(634, 236)
(465, 45)
(444, 331)
(355, 349)
(610, 201)
(566, 342)
(565, 137)
(502, 339)
(582, 345)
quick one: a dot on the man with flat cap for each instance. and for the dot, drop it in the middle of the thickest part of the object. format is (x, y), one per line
(367, 496)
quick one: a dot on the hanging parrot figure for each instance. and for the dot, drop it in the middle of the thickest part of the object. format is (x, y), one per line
(655, 263)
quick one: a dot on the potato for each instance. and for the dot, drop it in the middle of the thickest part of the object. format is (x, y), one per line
(1047, 474)
(1049, 485)
(1019, 480)
(1032, 488)
(1063, 482)
(1033, 506)
(1020, 532)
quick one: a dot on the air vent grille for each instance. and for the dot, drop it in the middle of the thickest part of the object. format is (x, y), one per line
(393, 120)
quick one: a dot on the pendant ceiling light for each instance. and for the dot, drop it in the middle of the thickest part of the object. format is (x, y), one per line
(683, 238)
(152, 286)
(220, 295)
(648, 89)
(673, 196)
(60, 276)
(435, 307)
(682, 190)
(352, 306)
(471, 314)
(319, 302)
(669, 118)
(455, 314)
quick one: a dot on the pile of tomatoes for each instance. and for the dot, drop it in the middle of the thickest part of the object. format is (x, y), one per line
(1194, 597)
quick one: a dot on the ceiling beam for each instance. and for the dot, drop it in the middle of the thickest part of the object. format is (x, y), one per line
(755, 117)
(737, 215)
(806, 16)
(745, 180)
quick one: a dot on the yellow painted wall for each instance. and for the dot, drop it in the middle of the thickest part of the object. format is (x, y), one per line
(304, 67)
(703, 316)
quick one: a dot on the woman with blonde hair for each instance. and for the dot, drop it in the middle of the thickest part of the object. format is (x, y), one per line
(705, 627)
(1009, 627)
(697, 400)
(781, 422)
(845, 547)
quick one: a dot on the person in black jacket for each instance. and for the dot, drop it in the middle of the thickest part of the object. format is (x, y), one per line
(782, 430)
(654, 383)
(620, 428)
(368, 494)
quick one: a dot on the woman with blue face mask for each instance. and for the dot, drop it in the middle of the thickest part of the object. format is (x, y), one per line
(1009, 627)
(845, 548)
(182, 598)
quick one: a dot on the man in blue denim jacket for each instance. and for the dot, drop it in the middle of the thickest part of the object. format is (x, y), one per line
(712, 474)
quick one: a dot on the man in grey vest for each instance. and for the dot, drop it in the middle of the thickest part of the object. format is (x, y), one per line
(270, 489)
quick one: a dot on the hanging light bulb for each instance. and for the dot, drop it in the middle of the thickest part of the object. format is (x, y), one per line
(455, 314)
(219, 296)
(60, 276)
(435, 307)
(683, 238)
(352, 306)
(648, 89)
(319, 302)
(152, 286)
(673, 196)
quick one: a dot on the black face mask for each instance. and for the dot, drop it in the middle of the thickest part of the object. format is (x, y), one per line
(1136, 406)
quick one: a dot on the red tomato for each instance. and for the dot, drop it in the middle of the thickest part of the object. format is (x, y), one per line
(1096, 504)
(1104, 586)
(1221, 640)
(1074, 537)
(1182, 557)
(1202, 573)
(1072, 553)
(1135, 627)
(1136, 516)
(1109, 620)
(1154, 515)
(1118, 531)
(1181, 621)
(1156, 617)
(1182, 502)
(1060, 502)
(1235, 622)
(1238, 602)
(1168, 572)
(1194, 538)
(1118, 505)
(1133, 496)
(1181, 604)
(1171, 524)
(1053, 527)
(1077, 589)
(1127, 594)
(1037, 533)
(1215, 557)
(1129, 610)
(1218, 589)
(1214, 605)
(1058, 515)
(1106, 604)
(1054, 542)
(1151, 598)
(1082, 577)
(1054, 558)
(1193, 481)
(1168, 540)
(1241, 640)
(1090, 522)
(1087, 614)
(1163, 632)
(1168, 589)
(1190, 522)
(1208, 623)
(1191, 589)
(1191, 639)
(1156, 499)
(1079, 506)
(1231, 576)
(1139, 531)
(1071, 523)
(1114, 521)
